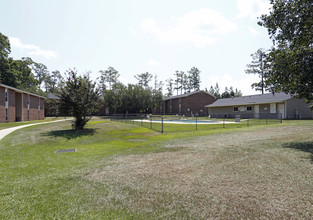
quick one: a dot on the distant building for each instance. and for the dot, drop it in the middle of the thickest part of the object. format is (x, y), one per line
(278, 105)
(189, 104)
(52, 105)
(19, 105)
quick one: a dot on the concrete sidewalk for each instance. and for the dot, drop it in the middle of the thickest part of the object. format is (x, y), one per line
(5, 132)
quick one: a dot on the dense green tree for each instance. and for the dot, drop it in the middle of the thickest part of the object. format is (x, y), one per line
(290, 26)
(169, 87)
(15, 73)
(195, 81)
(109, 76)
(131, 98)
(144, 79)
(261, 67)
(186, 86)
(19, 74)
(52, 82)
(79, 96)
(5, 47)
(41, 72)
(217, 94)
(158, 85)
(211, 90)
(230, 93)
(178, 81)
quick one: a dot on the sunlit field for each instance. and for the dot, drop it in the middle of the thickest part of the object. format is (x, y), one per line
(126, 171)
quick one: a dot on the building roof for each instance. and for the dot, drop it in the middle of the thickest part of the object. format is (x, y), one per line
(52, 96)
(21, 91)
(251, 99)
(186, 95)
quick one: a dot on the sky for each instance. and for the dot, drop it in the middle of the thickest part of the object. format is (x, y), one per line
(137, 36)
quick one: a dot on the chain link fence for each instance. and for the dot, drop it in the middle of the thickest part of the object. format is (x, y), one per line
(176, 123)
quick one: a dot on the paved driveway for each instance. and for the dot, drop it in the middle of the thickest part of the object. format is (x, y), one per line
(5, 132)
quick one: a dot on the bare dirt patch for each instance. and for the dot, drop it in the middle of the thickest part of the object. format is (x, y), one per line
(237, 175)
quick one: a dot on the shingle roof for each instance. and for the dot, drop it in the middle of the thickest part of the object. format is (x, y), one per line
(185, 95)
(252, 99)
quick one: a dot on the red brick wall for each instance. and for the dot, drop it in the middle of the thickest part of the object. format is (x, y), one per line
(25, 98)
(42, 109)
(33, 109)
(175, 106)
(12, 111)
(195, 103)
(11, 105)
(2, 105)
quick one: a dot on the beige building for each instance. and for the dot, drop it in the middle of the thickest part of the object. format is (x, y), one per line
(278, 105)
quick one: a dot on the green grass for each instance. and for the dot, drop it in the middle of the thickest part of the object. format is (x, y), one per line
(125, 171)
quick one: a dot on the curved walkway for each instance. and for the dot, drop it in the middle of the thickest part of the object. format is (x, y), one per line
(5, 132)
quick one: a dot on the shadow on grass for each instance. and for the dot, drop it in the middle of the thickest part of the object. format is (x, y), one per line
(71, 134)
(302, 146)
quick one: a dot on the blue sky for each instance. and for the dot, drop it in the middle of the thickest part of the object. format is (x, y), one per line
(139, 36)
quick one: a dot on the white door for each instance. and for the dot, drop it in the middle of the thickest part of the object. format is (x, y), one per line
(281, 110)
(256, 111)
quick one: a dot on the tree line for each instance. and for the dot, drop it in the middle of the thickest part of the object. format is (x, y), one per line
(81, 96)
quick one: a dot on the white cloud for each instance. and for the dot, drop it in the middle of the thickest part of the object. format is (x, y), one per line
(201, 28)
(153, 63)
(252, 8)
(32, 49)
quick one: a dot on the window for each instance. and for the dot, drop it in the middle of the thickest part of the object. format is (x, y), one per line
(249, 108)
(236, 109)
(6, 95)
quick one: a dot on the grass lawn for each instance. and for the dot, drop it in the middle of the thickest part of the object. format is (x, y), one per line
(124, 171)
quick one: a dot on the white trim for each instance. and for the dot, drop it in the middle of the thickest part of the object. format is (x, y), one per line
(6, 92)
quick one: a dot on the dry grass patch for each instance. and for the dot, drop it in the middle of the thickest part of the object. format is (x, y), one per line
(229, 176)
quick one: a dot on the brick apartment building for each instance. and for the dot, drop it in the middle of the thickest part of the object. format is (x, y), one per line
(188, 104)
(19, 105)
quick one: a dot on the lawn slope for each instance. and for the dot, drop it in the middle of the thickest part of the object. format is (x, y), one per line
(129, 172)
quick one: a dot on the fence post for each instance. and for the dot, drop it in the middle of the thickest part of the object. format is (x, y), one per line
(141, 120)
(196, 123)
(281, 118)
(224, 122)
(162, 126)
(150, 122)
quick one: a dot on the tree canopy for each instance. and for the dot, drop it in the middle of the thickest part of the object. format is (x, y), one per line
(290, 26)
(79, 96)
